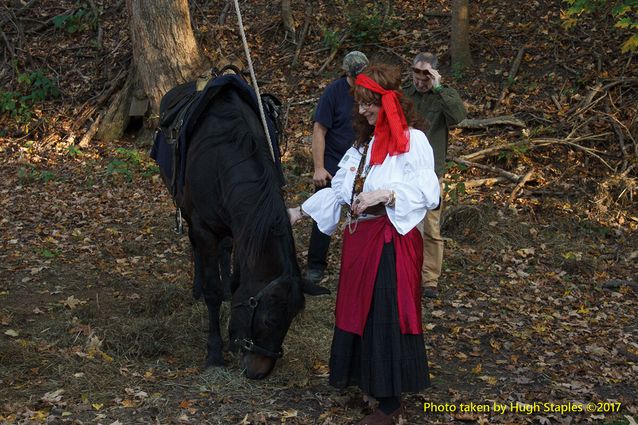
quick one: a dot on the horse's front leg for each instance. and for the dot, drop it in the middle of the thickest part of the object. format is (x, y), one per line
(207, 282)
(225, 258)
(214, 344)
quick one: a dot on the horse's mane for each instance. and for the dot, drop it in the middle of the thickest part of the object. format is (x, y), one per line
(230, 119)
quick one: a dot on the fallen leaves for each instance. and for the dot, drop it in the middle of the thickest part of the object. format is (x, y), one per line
(12, 333)
(509, 310)
(53, 397)
(491, 380)
(129, 404)
(72, 302)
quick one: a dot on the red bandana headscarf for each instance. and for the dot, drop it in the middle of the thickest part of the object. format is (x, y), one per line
(391, 135)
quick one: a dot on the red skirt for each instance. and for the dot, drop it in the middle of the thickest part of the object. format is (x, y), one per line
(360, 258)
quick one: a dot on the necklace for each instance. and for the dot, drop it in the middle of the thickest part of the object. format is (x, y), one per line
(357, 188)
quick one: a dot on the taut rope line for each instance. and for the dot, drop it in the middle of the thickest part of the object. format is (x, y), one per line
(254, 79)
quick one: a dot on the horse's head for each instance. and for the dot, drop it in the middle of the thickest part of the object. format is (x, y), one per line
(260, 318)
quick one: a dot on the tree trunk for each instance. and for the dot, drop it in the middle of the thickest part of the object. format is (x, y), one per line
(460, 42)
(165, 53)
(116, 117)
(164, 47)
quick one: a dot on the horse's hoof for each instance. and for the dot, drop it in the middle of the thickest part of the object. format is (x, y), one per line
(214, 363)
(312, 289)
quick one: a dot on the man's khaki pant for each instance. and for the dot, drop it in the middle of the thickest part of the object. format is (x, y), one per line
(432, 246)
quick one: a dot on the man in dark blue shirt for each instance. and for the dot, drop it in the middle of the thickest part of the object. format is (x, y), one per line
(332, 136)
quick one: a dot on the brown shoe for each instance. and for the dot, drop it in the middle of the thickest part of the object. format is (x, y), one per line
(380, 418)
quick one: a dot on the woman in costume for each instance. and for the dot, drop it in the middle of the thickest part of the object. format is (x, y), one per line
(388, 183)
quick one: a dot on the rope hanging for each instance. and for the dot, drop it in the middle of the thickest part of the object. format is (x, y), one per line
(254, 79)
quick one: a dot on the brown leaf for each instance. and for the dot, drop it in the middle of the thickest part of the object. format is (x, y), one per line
(72, 302)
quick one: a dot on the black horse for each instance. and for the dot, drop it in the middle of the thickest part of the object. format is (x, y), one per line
(232, 188)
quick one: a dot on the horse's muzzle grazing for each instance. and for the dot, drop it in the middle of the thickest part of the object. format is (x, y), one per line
(256, 361)
(257, 366)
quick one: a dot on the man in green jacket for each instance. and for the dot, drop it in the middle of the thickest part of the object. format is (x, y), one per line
(442, 107)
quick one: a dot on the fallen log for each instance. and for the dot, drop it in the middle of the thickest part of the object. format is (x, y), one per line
(531, 144)
(488, 122)
(520, 185)
(510, 176)
(471, 184)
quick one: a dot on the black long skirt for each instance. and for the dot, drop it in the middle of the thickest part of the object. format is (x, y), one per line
(383, 362)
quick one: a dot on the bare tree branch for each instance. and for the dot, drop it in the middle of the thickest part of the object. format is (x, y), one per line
(333, 53)
(487, 122)
(471, 184)
(510, 176)
(512, 74)
(573, 142)
(304, 31)
(520, 185)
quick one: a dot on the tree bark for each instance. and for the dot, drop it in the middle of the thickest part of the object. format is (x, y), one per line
(460, 40)
(116, 118)
(165, 53)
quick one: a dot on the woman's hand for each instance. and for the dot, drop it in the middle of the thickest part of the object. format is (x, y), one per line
(294, 214)
(365, 200)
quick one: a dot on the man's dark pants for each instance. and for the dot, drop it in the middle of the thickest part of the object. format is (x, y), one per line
(319, 245)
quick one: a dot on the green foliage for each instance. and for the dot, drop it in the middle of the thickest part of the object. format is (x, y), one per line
(150, 170)
(31, 174)
(457, 72)
(514, 151)
(73, 151)
(132, 156)
(118, 166)
(455, 188)
(79, 21)
(625, 13)
(451, 165)
(330, 38)
(367, 21)
(129, 162)
(32, 88)
(454, 191)
(542, 130)
(47, 253)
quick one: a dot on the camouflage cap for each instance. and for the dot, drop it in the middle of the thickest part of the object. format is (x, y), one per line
(354, 63)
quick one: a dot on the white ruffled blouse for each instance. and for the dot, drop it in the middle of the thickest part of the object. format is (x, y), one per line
(410, 175)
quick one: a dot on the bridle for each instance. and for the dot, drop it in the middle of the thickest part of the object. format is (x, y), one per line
(247, 344)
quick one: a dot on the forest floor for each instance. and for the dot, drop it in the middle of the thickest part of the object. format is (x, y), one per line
(537, 312)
